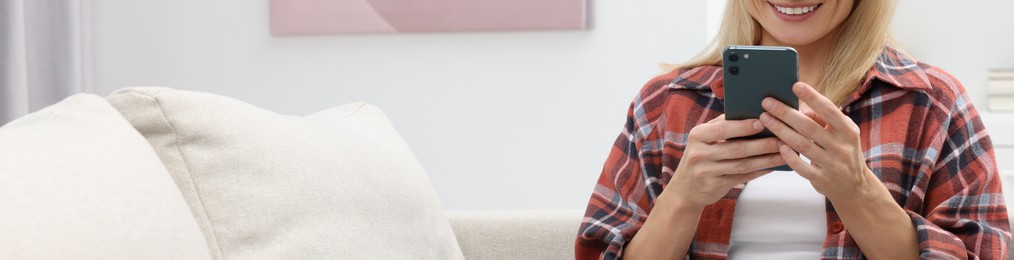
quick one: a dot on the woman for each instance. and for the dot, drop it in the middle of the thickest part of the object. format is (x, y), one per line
(893, 161)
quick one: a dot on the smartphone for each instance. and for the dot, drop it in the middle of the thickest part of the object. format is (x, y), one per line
(752, 73)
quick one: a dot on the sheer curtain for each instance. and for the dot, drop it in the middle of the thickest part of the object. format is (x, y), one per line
(43, 53)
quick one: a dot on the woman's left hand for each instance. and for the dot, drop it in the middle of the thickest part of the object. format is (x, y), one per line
(827, 137)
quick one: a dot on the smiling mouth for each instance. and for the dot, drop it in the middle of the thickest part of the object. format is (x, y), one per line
(800, 10)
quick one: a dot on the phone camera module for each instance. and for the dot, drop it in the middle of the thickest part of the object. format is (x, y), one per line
(733, 57)
(733, 70)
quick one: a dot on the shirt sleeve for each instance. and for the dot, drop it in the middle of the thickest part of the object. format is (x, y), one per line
(965, 214)
(616, 209)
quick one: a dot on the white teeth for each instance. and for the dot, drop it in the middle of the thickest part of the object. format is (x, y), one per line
(795, 10)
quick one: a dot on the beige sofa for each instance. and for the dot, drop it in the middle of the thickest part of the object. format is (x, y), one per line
(157, 173)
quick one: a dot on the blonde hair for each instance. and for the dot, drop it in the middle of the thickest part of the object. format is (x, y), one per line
(860, 40)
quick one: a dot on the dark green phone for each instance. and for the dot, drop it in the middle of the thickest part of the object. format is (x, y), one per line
(753, 73)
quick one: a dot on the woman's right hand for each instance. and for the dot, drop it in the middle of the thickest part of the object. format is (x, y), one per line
(712, 164)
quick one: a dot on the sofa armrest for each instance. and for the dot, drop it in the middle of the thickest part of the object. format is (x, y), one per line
(521, 234)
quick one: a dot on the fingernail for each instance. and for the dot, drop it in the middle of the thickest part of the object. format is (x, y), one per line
(798, 87)
(757, 125)
(768, 104)
(764, 117)
(779, 143)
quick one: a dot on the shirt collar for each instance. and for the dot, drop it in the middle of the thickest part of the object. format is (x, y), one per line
(891, 67)
(899, 70)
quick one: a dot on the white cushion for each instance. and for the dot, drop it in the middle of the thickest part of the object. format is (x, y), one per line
(339, 183)
(78, 182)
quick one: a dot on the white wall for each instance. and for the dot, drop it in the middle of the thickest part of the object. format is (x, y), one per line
(964, 38)
(499, 120)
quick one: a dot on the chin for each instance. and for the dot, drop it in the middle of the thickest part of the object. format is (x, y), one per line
(795, 39)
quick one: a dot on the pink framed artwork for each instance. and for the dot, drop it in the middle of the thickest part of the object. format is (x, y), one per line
(308, 17)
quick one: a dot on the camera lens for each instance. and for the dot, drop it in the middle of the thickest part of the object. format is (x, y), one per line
(733, 70)
(733, 57)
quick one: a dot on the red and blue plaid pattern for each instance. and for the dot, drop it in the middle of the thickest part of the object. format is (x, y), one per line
(920, 134)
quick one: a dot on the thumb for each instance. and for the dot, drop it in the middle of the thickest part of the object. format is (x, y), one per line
(718, 118)
(737, 179)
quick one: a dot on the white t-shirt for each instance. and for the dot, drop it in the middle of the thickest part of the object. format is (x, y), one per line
(778, 216)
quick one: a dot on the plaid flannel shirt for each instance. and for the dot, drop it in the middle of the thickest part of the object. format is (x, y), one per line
(920, 136)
